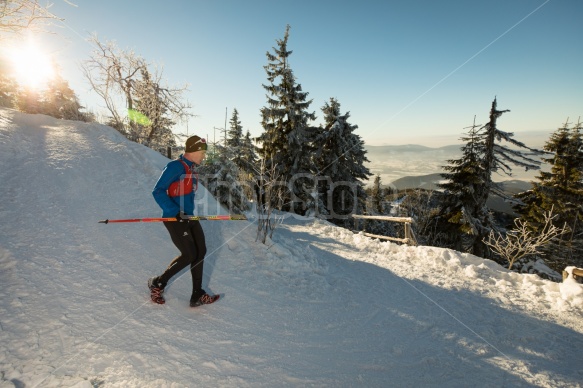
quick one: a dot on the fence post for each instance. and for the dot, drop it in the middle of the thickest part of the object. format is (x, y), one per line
(169, 152)
(409, 235)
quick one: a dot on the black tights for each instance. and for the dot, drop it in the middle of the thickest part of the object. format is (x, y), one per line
(189, 239)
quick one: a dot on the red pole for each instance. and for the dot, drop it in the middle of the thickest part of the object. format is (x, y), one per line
(233, 217)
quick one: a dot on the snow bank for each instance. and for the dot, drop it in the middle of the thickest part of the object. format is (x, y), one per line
(454, 270)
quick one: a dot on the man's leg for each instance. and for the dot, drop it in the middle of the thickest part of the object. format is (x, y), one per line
(181, 236)
(197, 265)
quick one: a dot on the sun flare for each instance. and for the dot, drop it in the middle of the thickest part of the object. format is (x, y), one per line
(32, 68)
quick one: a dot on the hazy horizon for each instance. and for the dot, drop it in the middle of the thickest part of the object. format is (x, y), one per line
(534, 138)
(393, 162)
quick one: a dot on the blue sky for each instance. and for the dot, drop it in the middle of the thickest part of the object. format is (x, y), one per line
(408, 71)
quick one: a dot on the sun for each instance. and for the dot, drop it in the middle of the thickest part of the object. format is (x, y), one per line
(32, 68)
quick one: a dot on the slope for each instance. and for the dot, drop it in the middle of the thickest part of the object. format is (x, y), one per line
(317, 306)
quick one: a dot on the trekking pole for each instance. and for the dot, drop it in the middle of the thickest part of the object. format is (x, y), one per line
(232, 217)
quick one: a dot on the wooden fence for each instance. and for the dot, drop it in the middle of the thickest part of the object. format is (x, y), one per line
(409, 235)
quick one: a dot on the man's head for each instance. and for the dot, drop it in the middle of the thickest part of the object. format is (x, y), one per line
(195, 149)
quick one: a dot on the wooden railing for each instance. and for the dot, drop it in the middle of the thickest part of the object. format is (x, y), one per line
(409, 235)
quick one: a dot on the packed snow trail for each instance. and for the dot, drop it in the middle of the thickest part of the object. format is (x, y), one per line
(318, 305)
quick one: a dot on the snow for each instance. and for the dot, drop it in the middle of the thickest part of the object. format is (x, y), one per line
(317, 306)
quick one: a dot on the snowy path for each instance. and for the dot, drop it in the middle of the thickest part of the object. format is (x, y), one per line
(318, 306)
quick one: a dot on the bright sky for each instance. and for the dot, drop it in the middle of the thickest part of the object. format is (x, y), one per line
(414, 71)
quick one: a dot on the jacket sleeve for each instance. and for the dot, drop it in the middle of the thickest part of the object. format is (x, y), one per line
(171, 173)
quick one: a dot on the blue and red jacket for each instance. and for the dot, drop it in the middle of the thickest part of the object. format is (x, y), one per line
(171, 206)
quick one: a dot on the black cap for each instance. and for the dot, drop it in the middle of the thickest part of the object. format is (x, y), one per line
(195, 143)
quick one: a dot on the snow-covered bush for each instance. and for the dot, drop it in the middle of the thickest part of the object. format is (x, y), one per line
(221, 178)
(521, 241)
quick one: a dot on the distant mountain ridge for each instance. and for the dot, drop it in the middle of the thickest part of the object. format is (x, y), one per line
(411, 147)
(431, 181)
(393, 162)
(427, 182)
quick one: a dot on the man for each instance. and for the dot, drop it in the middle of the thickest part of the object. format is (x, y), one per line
(174, 192)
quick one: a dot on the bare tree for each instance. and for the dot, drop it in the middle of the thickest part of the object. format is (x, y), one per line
(17, 16)
(270, 196)
(123, 77)
(520, 241)
(111, 72)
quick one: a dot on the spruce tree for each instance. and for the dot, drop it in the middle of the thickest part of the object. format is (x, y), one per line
(459, 208)
(559, 190)
(470, 181)
(248, 155)
(340, 159)
(235, 140)
(287, 137)
(241, 152)
(499, 157)
(240, 148)
(377, 197)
